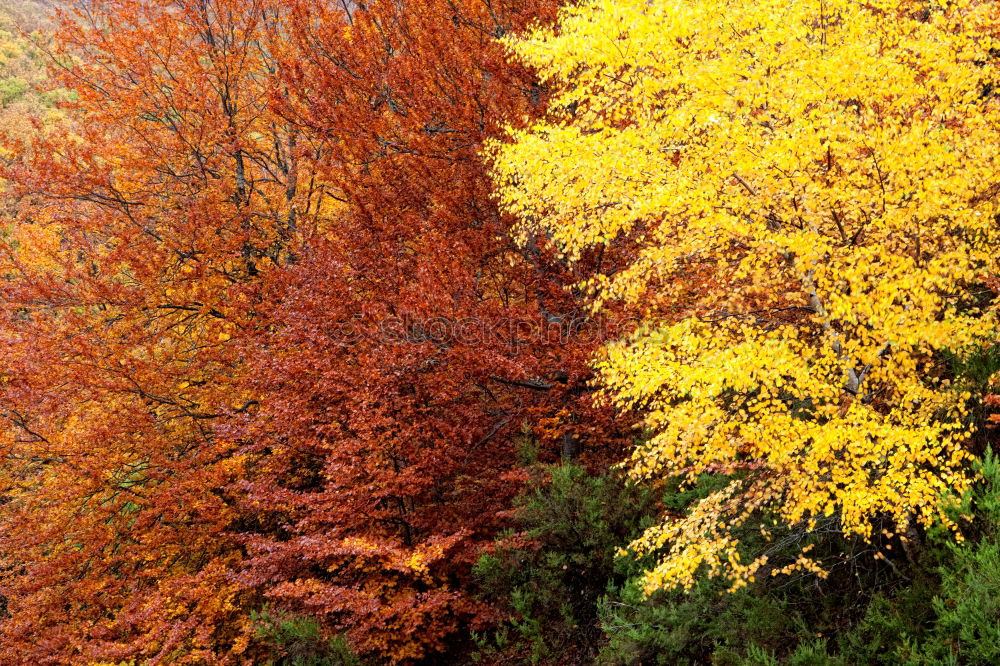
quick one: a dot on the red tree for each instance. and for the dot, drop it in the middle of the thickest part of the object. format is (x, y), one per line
(414, 341)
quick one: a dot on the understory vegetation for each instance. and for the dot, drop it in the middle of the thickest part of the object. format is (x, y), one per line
(568, 599)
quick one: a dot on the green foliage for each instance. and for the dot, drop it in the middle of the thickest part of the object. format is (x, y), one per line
(298, 641)
(940, 605)
(568, 597)
(673, 628)
(809, 653)
(771, 619)
(949, 613)
(968, 610)
(966, 629)
(551, 575)
(885, 626)
(50, 99)
(12, 89)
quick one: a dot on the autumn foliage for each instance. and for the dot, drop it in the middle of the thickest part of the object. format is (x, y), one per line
(297, 297)
(821, 173)
(266, 340)
(412, 340)
(136, 222)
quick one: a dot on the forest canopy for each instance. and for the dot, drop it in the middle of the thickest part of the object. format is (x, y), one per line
(499, 331)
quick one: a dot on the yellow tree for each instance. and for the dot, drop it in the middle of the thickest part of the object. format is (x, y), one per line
(805, 194)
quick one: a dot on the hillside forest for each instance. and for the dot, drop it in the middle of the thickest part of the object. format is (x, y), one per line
(497, 332)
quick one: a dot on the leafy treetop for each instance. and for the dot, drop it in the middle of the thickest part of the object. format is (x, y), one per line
(809, 189)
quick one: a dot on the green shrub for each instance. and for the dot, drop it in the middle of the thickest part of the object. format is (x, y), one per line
(694, 627)
(52, 98)
(950, 612)
(11, 90)
(569, 599)
(882, 633)
(966, 627)
(549, 584)
(787, 620)
(297, 640)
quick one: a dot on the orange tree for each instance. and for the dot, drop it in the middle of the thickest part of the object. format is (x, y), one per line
(412, 341)
(137, 225)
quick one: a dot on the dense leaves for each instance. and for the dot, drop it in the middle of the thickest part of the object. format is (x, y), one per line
(137, 224)
(810, 190)
(324, 323)
(413, 340)
(266, 339)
